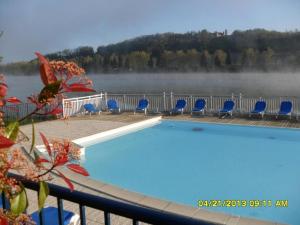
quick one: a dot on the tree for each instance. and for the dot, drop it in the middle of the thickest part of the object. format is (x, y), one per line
(193, 60)
(169, 61)
(220, 58)
(249, 57)
(266, 59)
(84, 51)
(86, 62)
(97, 63)
(205, 60)
(138, 60)
(114, 61)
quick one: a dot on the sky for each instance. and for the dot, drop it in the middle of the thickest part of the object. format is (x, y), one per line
(53, 25)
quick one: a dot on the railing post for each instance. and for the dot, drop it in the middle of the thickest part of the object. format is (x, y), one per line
(106, 218)
(64, 107)
(83, 103)
(124, 101)
(60, 211)
(135, 222)
(82, 215)
(27, 108)
(4, 201)
(41, 217)
(105, 99)
(41, 214)
(297, 107)
(211, 104)
(164, 99)
(191, 103)
(73, 106)
(240, 100)
(18, 111)
(280, 99)
(100, 101)
(171, 99)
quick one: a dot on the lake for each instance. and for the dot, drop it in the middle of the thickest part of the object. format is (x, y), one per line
(256, 84)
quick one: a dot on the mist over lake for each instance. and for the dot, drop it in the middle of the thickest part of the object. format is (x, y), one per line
(254, 84)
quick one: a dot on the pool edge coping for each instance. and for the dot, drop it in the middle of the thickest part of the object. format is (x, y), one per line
(228, 123)
(116, 132)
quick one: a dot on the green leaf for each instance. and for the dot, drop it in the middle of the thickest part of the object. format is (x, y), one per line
(19, 203)
(36, 155)
(32, 138)
(12, 130)
(49, 91)
(43, 193)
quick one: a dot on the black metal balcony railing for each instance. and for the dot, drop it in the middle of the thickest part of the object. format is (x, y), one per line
(109, 206)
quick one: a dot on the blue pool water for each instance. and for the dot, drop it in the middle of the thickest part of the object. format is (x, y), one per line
(188, 161)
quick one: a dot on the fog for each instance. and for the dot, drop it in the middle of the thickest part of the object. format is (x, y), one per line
(252, 84)
(255, 84)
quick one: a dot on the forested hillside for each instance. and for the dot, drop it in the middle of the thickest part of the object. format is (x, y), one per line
(251, 50)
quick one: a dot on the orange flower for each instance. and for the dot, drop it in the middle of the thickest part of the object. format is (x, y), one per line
(69, 68)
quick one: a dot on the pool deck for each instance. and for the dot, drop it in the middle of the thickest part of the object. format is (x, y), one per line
(78, 127)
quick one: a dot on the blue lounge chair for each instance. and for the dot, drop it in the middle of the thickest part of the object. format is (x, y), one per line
(285, 109)
(142, 106)
(227, 108)
(89, 108)
(112, 106)
(259, 108)
(51, 217)
(199, 107)
(179, 107)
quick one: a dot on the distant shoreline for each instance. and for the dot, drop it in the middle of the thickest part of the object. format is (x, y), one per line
(172, 72)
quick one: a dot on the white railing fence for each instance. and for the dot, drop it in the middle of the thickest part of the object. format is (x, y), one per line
(166, 101)
(157, 103)
(73, 106)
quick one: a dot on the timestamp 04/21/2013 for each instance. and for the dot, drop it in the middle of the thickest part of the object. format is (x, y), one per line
(242, 203)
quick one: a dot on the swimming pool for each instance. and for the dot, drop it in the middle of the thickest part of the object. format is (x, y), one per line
(189, 161)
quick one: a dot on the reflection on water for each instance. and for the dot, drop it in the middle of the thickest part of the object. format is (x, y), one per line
(258, 84)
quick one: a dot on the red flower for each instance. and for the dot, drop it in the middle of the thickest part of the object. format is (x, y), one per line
(3, 90)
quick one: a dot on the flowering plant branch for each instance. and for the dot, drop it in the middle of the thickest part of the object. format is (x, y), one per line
(58, 77)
